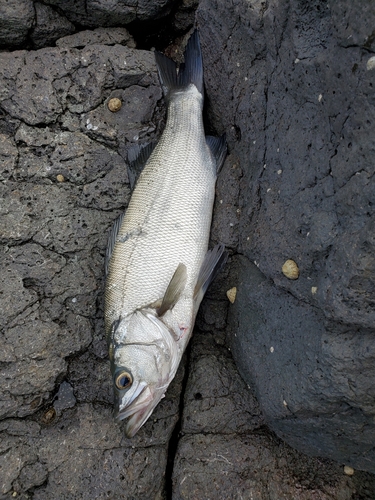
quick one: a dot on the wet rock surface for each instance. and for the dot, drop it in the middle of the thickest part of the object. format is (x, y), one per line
(63, 182)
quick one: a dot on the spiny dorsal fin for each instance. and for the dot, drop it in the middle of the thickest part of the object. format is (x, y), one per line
(138, 154)
(218, 148)
(211, 265)
(111, 241)
(175, 288)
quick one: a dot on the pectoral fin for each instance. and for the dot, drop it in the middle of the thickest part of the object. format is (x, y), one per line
(211, 265)
(175, 288)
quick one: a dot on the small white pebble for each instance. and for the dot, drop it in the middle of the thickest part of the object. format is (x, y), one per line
(285, 403)
(221, 202)
(238, 65)
(296, 61)
(349, 471)
(231, 224)
(370, 63)
(320, 98)
(246, 78)
(264, 166)
(272, 349)
(74, 300)
(268, 190)
(314, 289)
(278, 149)
(279, 171)
(231, 294)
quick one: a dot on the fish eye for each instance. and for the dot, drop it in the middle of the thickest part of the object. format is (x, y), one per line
(123, 380)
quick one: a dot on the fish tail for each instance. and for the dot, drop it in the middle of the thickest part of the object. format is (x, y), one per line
(191, 71)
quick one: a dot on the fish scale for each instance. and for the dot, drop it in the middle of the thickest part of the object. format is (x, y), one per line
(169, 213)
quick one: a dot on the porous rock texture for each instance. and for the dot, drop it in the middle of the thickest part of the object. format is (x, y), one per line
(39, 24)
(63, 182)
(298, 96)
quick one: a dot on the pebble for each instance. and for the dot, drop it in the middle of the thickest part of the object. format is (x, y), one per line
(290, 269)
(114, 104)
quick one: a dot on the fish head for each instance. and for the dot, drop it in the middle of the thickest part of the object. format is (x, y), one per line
(144, 361)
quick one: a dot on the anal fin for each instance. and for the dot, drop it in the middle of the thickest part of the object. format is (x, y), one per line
(174, 290)
(211, 265)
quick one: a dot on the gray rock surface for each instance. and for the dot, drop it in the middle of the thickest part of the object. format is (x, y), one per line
(104, 36)
(63, 182)
(296, 98)
(94, 13)
(16, 18)
(49, 26)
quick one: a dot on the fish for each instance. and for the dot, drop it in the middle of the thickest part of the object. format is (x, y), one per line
(157, 261)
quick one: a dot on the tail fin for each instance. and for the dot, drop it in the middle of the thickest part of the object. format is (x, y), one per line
(191, 71)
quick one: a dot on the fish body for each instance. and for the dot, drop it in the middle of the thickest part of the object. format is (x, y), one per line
(158, 265)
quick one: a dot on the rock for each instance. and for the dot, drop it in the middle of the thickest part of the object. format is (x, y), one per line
(103, 36)
(98, 13)
(44, 310)
(298, 116)
(49, 26)
(16, 18)
(353, 22)
(225, 450)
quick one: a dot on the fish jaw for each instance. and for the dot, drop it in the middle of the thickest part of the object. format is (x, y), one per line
(137, 406)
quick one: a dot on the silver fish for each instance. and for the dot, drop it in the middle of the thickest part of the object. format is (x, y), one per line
(157, 259)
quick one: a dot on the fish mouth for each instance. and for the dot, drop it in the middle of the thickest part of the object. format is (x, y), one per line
(137, 406)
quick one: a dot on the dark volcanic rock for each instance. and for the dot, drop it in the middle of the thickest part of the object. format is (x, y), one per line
(225, 451)
(49, 26)
(95, 13)
(296, 97)
(16, 18)
(104, 36)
